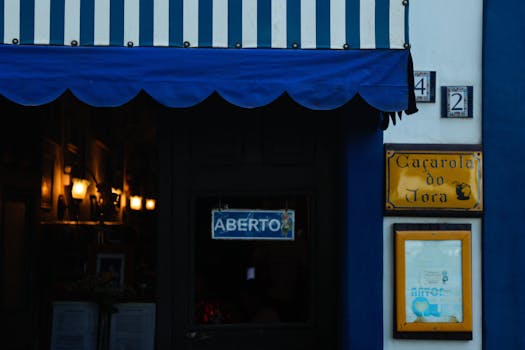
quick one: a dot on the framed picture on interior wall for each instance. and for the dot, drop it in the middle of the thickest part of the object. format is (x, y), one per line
(111, 267)
(112, 263)
(48, 165)
(433, 288)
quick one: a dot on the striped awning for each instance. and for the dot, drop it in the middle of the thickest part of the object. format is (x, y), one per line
(306, 24)
(320, 52)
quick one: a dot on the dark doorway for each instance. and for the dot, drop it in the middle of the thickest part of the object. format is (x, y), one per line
(216, 155)
(252, 280)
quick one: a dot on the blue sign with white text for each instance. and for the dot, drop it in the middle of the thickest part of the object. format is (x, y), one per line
(253, 224)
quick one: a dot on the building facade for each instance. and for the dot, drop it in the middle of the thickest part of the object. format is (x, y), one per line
(275, 106)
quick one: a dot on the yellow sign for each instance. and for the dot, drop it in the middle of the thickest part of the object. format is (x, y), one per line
(433, 180)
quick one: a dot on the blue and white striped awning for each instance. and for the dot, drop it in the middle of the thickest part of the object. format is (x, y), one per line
(320, 52)
(300, 24)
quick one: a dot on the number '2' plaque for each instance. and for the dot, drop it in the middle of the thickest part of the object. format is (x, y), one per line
(456, 101)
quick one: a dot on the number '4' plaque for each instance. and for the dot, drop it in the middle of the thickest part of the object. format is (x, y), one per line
(425, 86)
(456, 101)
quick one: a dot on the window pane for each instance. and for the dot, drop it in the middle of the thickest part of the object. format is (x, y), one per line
(251, 281)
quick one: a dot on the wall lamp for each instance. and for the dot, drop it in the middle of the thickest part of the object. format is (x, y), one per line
(79, 189)
(78, 193)
(107, 205)
(137, 203)
(150, 204)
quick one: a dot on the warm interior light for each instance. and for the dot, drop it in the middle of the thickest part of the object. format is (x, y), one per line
(116, 190)
(66, 179)
(117, 193)
(46, 189)
(135, 202)
(79, 188)
(150, 204)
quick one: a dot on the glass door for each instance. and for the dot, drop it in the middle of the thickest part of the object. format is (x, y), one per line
(250, 279)
(248, 293)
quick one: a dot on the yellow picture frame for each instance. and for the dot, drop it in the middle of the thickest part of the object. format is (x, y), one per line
(433, 279)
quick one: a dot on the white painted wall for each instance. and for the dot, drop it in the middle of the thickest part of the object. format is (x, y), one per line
(446, 37)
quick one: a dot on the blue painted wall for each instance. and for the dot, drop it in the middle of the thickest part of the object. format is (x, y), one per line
(504, 169)
(361, 315)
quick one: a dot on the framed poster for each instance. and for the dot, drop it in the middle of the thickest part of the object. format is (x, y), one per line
(433, 297)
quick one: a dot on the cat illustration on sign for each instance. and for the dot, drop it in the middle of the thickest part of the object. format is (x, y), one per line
(463, 191)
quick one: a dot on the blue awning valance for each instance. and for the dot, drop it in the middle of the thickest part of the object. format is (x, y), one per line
(321, 53)
(112, 76)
